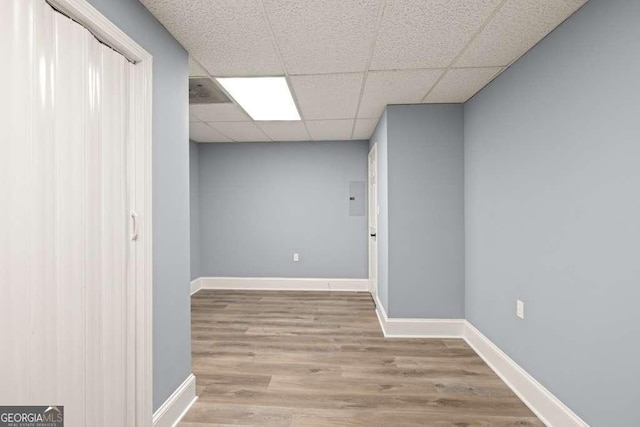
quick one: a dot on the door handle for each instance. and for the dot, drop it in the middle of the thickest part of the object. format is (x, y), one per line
(373, 234)
(134, 225)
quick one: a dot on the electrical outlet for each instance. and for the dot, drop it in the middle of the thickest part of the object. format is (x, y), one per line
(296, 257)
(519, 309)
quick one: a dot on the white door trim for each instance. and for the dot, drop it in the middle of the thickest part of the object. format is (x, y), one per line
(106, 31)
(140, 199)
(373, 276)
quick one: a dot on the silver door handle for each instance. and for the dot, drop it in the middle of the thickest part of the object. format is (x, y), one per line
(134, 225)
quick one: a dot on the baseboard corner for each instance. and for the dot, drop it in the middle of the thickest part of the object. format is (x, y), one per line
(417, 328)
(546, 406)
(196, 285)
(176, 406)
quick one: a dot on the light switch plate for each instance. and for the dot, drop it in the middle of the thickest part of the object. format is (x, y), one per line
(296, 257)
(520, 309)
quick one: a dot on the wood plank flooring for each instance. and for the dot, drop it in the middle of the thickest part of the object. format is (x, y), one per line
(283, 358)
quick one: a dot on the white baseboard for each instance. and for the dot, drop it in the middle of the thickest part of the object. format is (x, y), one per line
(283, 284)
(174, 408)
(545, 405)
(541, 401)
(418, 328)
(195, 285)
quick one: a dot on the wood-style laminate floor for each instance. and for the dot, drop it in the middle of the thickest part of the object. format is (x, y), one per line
(283, 358)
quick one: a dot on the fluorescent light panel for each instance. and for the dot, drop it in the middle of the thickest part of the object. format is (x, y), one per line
(263, 98)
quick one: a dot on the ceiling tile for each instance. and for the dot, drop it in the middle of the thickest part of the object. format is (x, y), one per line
(328, 96)
(516, 28)
(329, 36)
(284, 131)
(460, 84)
(200, 132)
(240, 131)
(330, 130)
(227, 112)
(395, 87)
(427, 33)
(195, 69)
(229, 37)
(192, 117)
(364, 128)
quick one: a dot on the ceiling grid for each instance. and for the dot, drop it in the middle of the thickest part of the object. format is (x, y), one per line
(345, 60)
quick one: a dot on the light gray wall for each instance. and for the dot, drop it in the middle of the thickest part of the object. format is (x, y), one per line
(426, 211)
(171, 305)
(194, 206)
(553, 212)
(261, 202)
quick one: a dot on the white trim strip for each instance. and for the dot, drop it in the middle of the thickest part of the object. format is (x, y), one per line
(418, 328)
(195, 285)
(177, 405)
(541, 401)
(283, 284)
(103, 29)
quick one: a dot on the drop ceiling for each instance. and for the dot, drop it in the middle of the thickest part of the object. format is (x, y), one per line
(344, 60)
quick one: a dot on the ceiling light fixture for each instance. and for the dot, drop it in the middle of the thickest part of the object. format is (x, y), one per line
(263, 98)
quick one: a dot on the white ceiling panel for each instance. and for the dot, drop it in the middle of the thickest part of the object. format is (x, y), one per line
(516, 28)
(328, 96)
(240, 131)
(195, 69)
(427, 33)
(364, 128)
(285, 131)
(228, 37)
(200, 132)
(226, 112)
(325, 48)
(395, 87)
(330, 130)
(329, 36)
(460, 84)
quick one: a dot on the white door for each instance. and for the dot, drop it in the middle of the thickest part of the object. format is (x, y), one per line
(66, 263)
(373, 220)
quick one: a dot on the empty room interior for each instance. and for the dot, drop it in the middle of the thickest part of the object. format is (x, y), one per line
(320, 213)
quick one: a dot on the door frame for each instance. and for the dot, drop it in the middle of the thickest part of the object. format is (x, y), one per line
(139, 297)
(373, 154)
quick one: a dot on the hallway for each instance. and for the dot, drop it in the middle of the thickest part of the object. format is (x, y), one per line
(319, 358)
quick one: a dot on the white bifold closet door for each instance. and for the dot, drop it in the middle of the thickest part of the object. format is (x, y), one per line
(65, 317)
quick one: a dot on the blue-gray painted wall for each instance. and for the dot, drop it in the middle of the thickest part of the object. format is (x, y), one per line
(426, 211)
(421, 221)
(194, 208)
(262, 202)
(171, 265)
(551, 150)
(553, 212)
